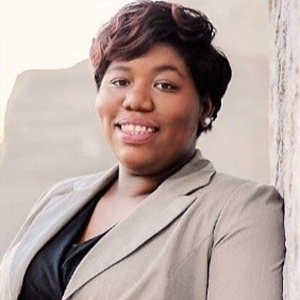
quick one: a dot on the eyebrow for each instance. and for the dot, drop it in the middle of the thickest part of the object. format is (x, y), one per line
(158, 69)
(119, 68)
(165, 68)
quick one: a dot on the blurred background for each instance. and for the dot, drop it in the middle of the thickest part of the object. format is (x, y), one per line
(50, 131)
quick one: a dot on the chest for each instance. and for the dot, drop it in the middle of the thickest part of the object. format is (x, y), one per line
(107, 213)
(170, 263)
(173, 265)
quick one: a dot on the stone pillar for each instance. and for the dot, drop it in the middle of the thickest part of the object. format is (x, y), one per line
(285, 128)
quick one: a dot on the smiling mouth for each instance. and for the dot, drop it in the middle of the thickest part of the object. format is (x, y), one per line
(136, 129)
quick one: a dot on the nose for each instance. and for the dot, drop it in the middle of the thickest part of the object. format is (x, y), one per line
(138, 99)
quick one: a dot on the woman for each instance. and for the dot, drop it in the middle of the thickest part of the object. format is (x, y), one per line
(162, 224)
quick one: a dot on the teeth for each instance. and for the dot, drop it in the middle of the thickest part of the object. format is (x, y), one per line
(136, 129)
(130, 127)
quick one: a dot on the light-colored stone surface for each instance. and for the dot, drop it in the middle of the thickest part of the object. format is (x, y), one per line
(285, 122)
(53, 131)
(52, 134)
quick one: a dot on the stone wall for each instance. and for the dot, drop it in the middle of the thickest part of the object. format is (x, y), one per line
(285, 125)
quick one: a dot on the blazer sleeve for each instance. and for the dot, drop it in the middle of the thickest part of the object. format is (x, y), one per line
(249, 246)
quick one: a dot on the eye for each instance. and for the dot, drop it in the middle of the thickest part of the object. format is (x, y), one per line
(120, 82)
(166, 86)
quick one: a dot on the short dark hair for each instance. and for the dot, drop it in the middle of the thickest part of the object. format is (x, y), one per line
(139, 25)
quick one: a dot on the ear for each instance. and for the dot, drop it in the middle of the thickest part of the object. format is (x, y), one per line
(206, 112)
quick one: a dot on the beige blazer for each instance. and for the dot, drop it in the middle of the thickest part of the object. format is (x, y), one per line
(199, 235)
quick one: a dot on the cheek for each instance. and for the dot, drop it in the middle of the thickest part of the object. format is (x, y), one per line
(100, 105)
(193, 112)
(185, 116)
(104, 106)
(103, 112)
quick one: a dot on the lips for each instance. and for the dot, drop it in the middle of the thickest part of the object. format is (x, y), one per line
(136, 130)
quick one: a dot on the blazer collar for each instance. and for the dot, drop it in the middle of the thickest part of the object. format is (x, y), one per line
(54, 215)
(168, 201)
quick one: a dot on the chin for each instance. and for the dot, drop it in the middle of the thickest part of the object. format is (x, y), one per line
(138, 163)
(138, 166)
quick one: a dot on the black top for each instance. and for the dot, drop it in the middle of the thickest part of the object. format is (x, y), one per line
(50, 270)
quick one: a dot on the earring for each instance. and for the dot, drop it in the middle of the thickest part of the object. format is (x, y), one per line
(207, 121)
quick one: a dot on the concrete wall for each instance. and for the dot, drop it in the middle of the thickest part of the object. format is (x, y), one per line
(285, 124)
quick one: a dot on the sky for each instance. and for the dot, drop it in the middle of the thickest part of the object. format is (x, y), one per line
(46, 35)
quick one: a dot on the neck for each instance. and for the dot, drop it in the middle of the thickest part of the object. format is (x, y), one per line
(134, 185)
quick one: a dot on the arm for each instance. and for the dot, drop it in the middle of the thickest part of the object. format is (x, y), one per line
(248, 251)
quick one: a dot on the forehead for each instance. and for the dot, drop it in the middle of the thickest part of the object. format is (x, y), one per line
(159, 58)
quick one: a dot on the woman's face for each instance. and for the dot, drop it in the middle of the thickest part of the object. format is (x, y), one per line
(149, 111)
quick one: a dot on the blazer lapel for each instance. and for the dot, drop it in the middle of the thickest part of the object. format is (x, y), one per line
(50, 220)
(166, 203)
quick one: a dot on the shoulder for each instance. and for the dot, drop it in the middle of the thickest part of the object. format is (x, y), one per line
(53, 192)
(231, 189)
(247, 207)
(62, 187)
(241, 190)
(234, 202)
(78, 182)
(231, 183)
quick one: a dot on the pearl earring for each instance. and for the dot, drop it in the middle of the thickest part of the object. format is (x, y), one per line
(207, 121)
